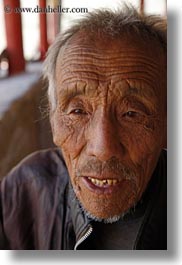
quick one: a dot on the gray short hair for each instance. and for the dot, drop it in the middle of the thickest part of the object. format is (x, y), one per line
(111, 23)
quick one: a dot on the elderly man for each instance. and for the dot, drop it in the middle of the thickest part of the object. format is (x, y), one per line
(104, 187)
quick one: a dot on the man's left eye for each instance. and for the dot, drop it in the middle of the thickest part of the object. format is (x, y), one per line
(78, 112)
(131, 114)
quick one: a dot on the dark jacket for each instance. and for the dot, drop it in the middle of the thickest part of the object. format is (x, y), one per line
(37, 209)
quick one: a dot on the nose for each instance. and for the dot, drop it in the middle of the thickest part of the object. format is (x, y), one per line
(103, 139)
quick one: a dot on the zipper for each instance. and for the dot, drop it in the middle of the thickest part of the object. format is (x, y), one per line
(84, 237)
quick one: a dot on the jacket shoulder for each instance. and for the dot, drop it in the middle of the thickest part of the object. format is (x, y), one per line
(30, 197)
(44, 165)
(153, 233)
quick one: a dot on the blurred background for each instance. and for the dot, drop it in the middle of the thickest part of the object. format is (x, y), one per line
(25, 35)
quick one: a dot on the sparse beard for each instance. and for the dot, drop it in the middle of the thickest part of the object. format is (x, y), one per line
(109, 220)
(92, 217)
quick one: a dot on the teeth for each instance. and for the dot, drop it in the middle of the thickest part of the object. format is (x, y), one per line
(103, 182)
(94, 181)
(109, 181)
(98, 182)
(115, 181)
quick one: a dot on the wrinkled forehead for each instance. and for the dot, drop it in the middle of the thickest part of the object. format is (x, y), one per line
(110, 60)
(103, 44)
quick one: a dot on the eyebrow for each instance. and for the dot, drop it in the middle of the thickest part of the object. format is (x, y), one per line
(148, 90)
(70, 92)
(145, 95)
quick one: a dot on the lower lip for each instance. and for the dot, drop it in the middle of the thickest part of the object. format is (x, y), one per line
(101, 189)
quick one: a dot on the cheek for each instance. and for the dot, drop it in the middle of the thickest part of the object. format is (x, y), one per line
(143, 149)
(66, 132)
(142, 142)
(69, 136)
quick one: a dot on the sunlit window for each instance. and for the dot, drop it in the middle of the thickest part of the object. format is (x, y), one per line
(155, 7)
(2, 29)
(30, 28)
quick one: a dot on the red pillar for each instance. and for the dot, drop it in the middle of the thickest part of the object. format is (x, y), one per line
(14, 37)
(53, 25)
(142, 6)
(43, 30)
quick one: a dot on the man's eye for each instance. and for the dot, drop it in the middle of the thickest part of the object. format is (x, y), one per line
(131, 114)
(78, 112)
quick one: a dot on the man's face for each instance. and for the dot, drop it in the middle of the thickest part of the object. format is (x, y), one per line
(110, 119)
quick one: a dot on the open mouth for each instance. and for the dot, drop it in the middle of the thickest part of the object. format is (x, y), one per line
(107, 185)
(104, 182)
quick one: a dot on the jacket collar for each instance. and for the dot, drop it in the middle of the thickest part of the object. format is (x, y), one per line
(79, 219)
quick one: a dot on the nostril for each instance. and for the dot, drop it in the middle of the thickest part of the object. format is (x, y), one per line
(102, 137)
(104, 146)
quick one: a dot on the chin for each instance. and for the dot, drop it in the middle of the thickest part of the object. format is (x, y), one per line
(109, 220)
(107, 206)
